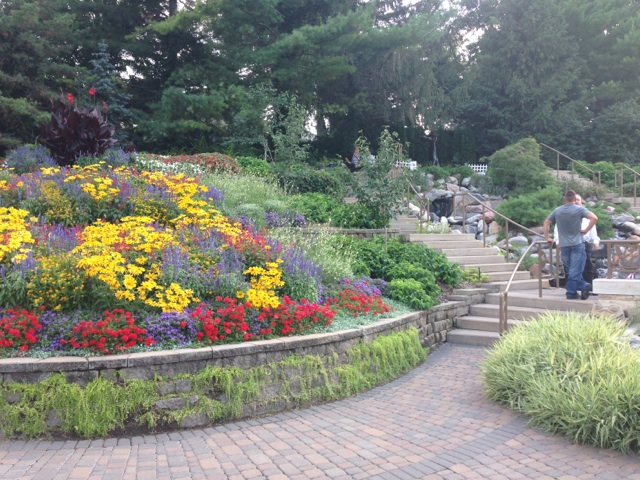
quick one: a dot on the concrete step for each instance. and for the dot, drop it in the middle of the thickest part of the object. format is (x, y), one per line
(531, 284)
(516, 312)
(473, 261)
(446, 244)
(505, 276)
(486, 324)
(545, 303)
(472, 337)
(454, 251)
(450, 237)
(490, 267)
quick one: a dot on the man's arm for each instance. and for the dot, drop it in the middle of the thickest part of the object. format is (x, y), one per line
(592, 221)
(547, 224)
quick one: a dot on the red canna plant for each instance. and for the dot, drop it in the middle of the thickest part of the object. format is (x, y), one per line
(75, 132)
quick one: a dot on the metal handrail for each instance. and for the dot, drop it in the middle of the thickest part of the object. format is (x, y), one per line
(504, 294)
(636, 174)
(484, 208)
(595, 176)
(424, 209)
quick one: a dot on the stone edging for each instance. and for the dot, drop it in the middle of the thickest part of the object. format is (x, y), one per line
(432, 325)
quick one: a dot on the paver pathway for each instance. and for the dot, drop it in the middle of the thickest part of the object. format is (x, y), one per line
(433, 423)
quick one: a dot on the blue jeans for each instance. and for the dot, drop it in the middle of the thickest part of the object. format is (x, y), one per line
(574, 258)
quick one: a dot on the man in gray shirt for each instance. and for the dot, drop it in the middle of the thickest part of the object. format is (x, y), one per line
(568, 218)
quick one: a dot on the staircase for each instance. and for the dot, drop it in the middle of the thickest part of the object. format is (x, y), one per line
(481, 325)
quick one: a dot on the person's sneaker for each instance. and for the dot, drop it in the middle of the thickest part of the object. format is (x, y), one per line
(586, 291)
(572, 296)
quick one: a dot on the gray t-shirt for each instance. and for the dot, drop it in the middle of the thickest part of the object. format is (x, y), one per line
(568, 218)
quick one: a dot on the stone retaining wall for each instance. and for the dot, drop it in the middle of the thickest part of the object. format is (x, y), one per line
(432, 325)
(177, 398)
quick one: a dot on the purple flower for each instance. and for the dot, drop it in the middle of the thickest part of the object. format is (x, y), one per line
(171, 328)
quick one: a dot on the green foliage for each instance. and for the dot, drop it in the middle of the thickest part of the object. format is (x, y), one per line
(287, 128)
(411, 292)
(615, 133)
(358, 215)
(300, 178)
(76, 132)
(530, 209)
(426, 279)
(379, 186)
(474, 276)
(316, 207)
(518, 169)
(257, 167)
(379, 257)
(570, 374)
(102, 406)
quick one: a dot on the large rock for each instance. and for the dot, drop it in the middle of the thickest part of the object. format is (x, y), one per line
(630, 227)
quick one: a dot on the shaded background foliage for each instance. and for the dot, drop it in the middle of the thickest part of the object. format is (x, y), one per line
(199, 76)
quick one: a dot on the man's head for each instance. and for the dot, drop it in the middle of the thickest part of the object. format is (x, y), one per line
(578, 200)
(570, 196)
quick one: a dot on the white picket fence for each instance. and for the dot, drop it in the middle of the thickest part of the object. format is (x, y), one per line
(410, 164)
(479, 169)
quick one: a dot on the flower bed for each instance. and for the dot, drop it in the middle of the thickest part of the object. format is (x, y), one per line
(154, 254)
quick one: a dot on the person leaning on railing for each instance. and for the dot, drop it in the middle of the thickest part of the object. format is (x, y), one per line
(569, 217)
(591, 237)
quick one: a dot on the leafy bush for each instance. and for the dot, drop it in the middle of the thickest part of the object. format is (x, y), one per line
(531, 209)
(303, 179)
(359, 215)
(517, 169)
(378, 258)
(257, 167)
(426, 278)
(316, 207)
(410, 292)
(570, 374)
(28, 158)
(76, 132)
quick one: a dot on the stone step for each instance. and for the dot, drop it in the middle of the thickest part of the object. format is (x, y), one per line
(454, 251)
(487, 324)
(505, 276)
(472, 261)
(447, 244)
(513, 311)
(450, 237)
(490, 267)
(472, 337)
(545, 303)
(531, 284)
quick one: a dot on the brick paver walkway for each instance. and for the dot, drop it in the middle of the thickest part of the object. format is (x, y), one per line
(433, 423)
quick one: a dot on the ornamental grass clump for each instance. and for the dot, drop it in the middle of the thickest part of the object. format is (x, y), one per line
(570, 374)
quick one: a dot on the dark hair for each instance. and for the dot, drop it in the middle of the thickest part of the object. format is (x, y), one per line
(570, 196)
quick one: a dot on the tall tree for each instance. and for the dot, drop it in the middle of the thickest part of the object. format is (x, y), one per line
(37, 36)
(527, 78)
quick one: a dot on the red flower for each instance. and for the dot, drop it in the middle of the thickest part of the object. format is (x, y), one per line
(92, 91)
(70, 98)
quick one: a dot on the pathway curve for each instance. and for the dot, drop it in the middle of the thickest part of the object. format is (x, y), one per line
(433, 423)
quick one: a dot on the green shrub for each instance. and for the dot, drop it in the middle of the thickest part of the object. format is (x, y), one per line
(517, 169)
(406, 270)
(359, 215)
(570, 374)
(316, 207)
(411, 292)
(257, 167)
(532, 209)
(303, 179)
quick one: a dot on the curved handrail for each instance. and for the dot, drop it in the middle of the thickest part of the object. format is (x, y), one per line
(595, 176)
(487, 207)
(424, 209)
(504, 294)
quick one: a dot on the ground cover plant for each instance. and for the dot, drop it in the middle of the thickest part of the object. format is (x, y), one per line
(570, 374)
(110, 259)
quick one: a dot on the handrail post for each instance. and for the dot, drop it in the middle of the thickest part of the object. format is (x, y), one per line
(506, 235)
(621, 182)
(539, 271)
(558, 165)
(484, 226)
(634, 190)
